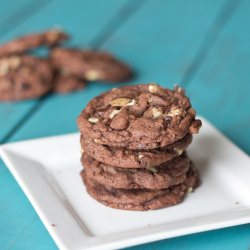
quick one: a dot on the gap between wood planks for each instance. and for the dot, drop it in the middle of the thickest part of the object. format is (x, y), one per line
(225, 13)
(122, 15)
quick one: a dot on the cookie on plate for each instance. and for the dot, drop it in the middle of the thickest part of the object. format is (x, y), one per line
(24, 77)
(126, 158)
(90, 65)
(140, 199)
(25, 43)
(167, 174)
(143, 116)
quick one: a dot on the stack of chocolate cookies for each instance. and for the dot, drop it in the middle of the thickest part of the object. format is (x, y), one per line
(133, 143)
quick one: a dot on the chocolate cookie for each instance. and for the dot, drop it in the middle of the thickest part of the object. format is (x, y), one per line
(143, 116)
(25, 43)
(160, 177)
(64, 83)
(23, 77)
(140, 199)
(90, 65)
(126, 158)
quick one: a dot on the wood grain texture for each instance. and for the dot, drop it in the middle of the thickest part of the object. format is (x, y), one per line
(13, 15)
(160, 40)
(221, 87)
(20, 227)
(159, 47)
(229, 238)
(8, 9)
(82, 19)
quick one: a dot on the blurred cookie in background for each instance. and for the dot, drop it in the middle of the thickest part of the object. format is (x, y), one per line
(24, 77)
(25, 43)
(91, 65)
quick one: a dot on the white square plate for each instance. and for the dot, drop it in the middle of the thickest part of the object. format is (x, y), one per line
(48, 171)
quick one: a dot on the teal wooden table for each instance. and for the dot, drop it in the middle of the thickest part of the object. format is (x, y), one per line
(203, 45)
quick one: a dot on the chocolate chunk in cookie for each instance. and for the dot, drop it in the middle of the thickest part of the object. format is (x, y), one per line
(91, 65)
(65, 83)
(167, 174)
(24, 77)
(23, 44)
(143, 116)
(126, 158)
(140, 199)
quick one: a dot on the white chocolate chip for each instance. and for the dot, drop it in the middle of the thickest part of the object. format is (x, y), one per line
(120, 102)
(9, 63)
(152, 169)
(14, 62)
(156, 113)
(153, 88)
(131, 103)
(174, 112)
(177, 88)
(4, 68)
(179, 151)
(114, 113)
(92, 75)
(82, 150)
(190, 190)
(140, 156)
(111, 170)
(93, 119)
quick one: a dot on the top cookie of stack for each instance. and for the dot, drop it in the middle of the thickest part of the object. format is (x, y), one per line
(145, 116)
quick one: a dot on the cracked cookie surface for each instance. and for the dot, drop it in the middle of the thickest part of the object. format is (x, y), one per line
(144, 116)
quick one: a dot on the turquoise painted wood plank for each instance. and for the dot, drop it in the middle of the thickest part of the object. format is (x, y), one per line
(82, 19)
(234, 238)
(12, 15)
(19, 222)
(134, 46)
(159, 47)
(189, 242)
(8, 9)
(21, 228)
(220, 89)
